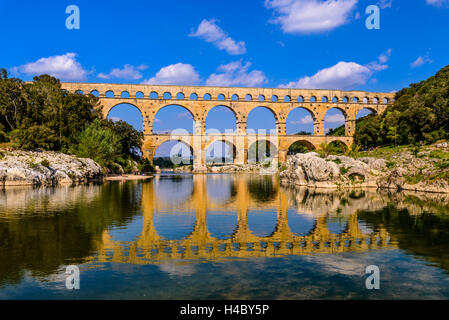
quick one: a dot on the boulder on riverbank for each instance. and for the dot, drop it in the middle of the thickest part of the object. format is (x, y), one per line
(404, 171)
(46, 168)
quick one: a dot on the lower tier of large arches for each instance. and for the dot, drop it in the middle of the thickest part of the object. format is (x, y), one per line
(237, 149)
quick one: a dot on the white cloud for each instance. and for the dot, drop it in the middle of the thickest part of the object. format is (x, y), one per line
(437, 3)
(210, 32)
(334, 118)
(420, 61)
(128, 72)
(310, 16)
(343, 75)
(236, 74)
(305, 120)
(177, 74)
(64, 67)
(184, 115)
(380, 64)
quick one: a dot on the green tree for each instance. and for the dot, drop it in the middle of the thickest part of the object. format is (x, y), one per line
(36, 136)
(98, 143)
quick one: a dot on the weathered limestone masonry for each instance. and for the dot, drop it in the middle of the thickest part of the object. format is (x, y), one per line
(199, 100)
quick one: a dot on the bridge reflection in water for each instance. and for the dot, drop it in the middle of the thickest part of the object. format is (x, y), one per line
(151, 247)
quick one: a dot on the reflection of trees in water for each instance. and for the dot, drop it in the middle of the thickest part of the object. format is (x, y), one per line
(43, 240)
(424, 234)
(262, 189)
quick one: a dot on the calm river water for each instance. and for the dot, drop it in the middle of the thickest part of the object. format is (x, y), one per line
(221, 237)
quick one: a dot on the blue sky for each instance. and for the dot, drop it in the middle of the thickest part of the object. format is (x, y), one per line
(272, 43)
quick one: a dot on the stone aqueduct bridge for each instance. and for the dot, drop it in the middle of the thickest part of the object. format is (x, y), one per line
(149, 99)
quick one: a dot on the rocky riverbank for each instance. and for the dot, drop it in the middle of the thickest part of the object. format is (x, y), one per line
(424, 171)
(19, 168)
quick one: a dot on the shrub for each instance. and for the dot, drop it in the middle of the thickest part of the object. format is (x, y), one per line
(45, 163)
(34, 137)
(97, 143)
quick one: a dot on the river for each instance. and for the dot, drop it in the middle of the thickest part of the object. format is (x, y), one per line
(218, 236)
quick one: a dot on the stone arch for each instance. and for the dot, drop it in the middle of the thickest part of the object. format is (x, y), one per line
(287, 98)
(261, 151)
(109, 94)
(324, 99)
(167, 96)
(308, 119)
(235, 97)
(274, 98)
(337, 143)
(333, 121)
(300, 98)
(180, 96)
(107, 109)
(228, 108)
(307, 144)
(175, 142)
(221, 97)
(370, 108)
(139, 95)
(275, 116)
(124, 94)
(95, 93)
(168, 105)
(154, 95)
(248, 97)
(225, 142)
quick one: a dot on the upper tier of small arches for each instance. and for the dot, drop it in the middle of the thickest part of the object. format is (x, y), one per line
(242, 95)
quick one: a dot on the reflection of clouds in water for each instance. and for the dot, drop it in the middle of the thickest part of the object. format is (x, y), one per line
(174, 226)
(300, 224)
(221, 225)
(262, 223)
(340, 264)
(180, 270)
(173, 190)
(219, 188)
(366, 229)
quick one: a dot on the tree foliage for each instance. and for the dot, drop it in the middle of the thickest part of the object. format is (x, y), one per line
(40, 114)
(419, 113)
